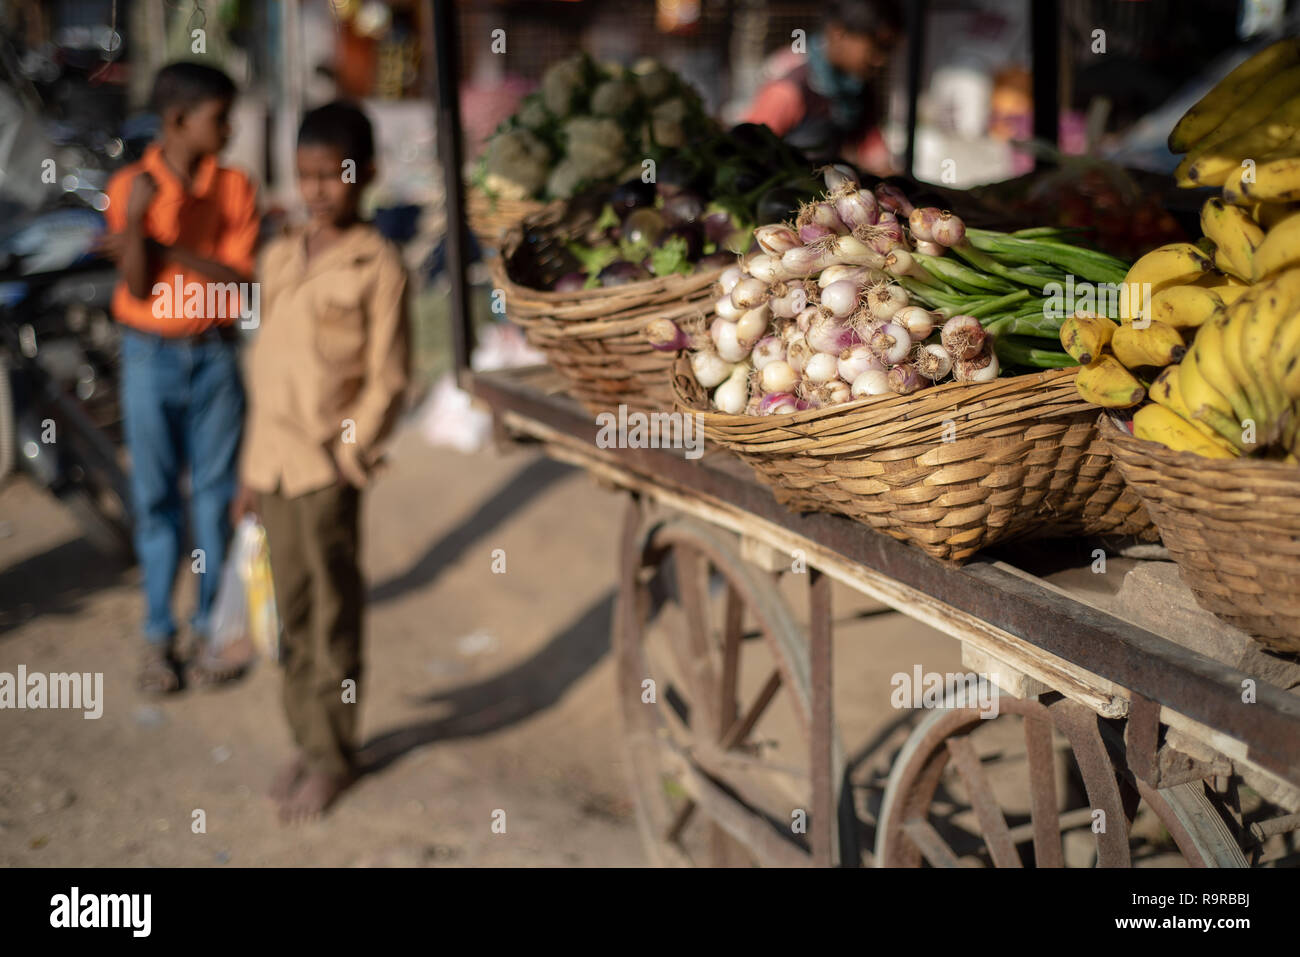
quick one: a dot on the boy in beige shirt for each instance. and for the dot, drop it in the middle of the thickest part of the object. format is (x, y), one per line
(326, 380)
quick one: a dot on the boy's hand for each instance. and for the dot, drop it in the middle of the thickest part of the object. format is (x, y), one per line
(143, 190)
(244, 503)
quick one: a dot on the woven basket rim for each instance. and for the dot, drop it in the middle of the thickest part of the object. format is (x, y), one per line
(1112, 432)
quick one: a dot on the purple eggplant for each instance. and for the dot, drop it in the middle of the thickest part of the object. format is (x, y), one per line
(570, 282)
(683, 207)
(621, 272)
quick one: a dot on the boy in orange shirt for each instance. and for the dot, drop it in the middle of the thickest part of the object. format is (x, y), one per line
(183, 232)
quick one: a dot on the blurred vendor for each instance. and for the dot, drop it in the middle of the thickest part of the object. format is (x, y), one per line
(827, 101)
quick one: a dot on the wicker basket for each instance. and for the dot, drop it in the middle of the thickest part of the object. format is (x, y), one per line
(594, 337)
(490, 217)
(1021, 458)
(1232, 525)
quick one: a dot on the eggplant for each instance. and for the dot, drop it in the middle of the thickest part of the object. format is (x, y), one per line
(683, 207)
(719, 260)
(674, 174)
(694, 236)
(570, 282)
(631, 195)
(621, 272)
(644, 225)
(777, 205)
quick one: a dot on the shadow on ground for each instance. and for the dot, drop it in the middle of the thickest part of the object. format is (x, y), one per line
(55, 582)
(507, 698)
(524, 485)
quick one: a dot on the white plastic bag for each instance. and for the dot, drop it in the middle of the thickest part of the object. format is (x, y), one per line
(245, 605)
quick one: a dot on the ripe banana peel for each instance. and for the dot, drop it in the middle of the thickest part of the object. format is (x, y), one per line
(1235, 235)
(1154, 344)
(1085, 335)
(1156, 423)
(1187, 307)
(1280, 249)
(1106, 383)
(1215, 107)
(1175, 264)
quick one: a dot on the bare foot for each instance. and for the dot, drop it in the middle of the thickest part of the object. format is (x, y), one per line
(313, 795)
(287, 778)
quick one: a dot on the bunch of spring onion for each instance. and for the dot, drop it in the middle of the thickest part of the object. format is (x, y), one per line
(866, 294)
(813, 319)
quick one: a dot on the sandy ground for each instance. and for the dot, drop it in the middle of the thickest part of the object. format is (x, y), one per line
(485, 692)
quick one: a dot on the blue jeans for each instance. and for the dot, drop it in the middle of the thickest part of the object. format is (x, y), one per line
(183, 408)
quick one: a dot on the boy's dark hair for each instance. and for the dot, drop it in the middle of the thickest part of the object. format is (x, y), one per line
(343, 126)
(185, 85)
(864, 17)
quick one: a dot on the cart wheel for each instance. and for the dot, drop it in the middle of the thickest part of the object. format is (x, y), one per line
(716, 782)
(941, 805)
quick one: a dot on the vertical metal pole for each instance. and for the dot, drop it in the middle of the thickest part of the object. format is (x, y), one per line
(447, 117)
(1045, 55)
(914, 24)
(824, 820)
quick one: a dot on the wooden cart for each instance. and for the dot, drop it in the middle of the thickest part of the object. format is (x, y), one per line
(1160, 718)
(1151, 722)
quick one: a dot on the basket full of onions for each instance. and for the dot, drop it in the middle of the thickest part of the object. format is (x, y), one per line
(847, 395)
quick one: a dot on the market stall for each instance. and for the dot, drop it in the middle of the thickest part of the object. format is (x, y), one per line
(928, 408)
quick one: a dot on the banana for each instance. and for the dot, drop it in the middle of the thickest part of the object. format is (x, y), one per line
(1106, 383)
(1155, 344)
(1277, 303)
(1206, 403)
(1253, 110)
(1213, 367)
(1215, 166)
(1269, 215)
(1213, 108)
(1236, 237)
(1084, 335)
(1165, 391)
(1155, 423)
(1229, 292)
(1280, 248)
(1277, 179)
(1175, 264)
(1185, 307)
(1246, 339)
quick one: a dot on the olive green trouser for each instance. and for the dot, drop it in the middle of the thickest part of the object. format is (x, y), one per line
(313, 541)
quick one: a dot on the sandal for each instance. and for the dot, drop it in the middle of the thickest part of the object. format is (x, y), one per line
(158, 674)
(213, 667)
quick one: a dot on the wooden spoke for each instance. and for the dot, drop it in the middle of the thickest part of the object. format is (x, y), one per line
(993, 823)
(729, 708)
(928, 841)
(740, 729)
(679, 822)
(692, 589)
(1042, 793)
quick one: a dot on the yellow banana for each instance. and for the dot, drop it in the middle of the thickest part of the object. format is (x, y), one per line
(1269, 215)
(1084, 335)
(1155, 344)
(1206, 403)
(1209, 348)
(1185, 307)
(1278, 303)
(1215, 166)
(1175, 264)
(1165, 391)
(1155, 423)
(1229, 292)
(1236, 237)
(1106, 383)
(1253, 110)
(1246, 339)
(1213, 108)
(1275, 178)
(1280, 248)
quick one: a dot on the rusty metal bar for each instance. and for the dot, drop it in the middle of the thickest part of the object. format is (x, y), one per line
(822, 706)
(993, 823)
(1042, 793)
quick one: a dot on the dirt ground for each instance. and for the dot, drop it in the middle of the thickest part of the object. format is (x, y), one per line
(485, 692)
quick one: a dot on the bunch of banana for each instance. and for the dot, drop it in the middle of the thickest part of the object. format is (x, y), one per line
(1236, 391)
(1244, 135)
